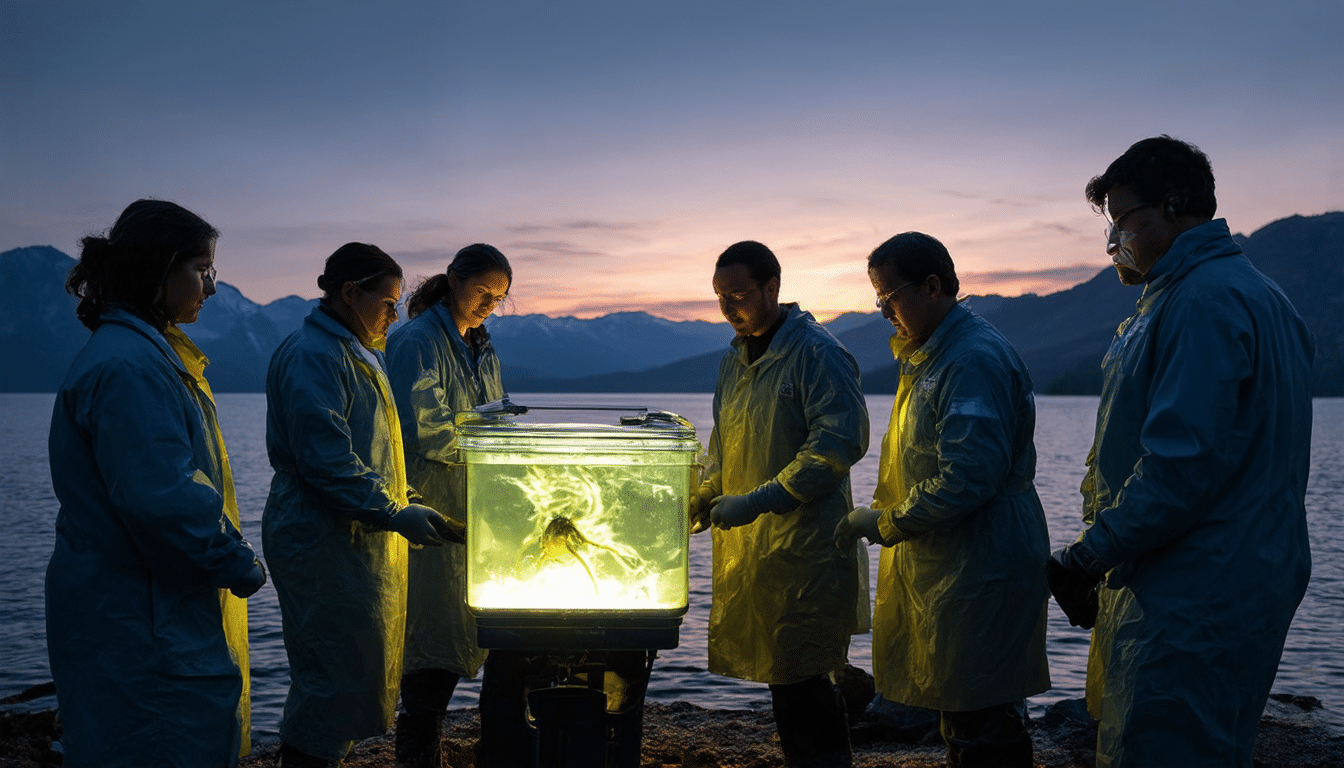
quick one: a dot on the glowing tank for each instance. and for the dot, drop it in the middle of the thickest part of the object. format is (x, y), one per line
(577, 534)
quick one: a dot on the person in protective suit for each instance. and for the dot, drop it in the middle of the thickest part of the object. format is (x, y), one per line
(340, 512)
(959, 625)
(789, 421)
(1195, 555)
(145, 591)
(441, 362)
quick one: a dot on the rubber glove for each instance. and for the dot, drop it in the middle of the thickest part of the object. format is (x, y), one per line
(1074, 576)
(699, 506)
(252, 582)
(860, 522)
(422, 526)
(727, 512)
(451, 530)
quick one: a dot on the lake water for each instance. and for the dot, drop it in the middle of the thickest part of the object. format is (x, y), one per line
(1313, 662)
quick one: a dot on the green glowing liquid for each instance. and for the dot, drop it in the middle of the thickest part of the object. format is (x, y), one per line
(577, 531)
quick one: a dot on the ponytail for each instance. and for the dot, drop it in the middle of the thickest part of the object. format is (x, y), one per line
(427, 294)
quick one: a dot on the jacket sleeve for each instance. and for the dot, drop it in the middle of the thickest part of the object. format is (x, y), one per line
(138, 422)
(315, 399)
(974, 414)
(837, 424)
(1204, 353)
(421, 391)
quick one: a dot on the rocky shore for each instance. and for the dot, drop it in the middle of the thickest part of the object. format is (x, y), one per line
(683, 735)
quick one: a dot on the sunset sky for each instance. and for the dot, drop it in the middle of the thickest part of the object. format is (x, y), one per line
(613, 149)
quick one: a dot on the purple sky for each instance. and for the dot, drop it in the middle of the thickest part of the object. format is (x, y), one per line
(613, 149)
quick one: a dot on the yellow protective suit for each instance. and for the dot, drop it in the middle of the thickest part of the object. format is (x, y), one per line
(233, 607)
(960, 618)
(335, 444)
(785, 600)
(434, 376)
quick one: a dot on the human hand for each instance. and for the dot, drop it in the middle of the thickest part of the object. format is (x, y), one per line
(1074, 577)
(699, 507)
(860, 522)
(727, 512)
(422, 526)
(253, 581)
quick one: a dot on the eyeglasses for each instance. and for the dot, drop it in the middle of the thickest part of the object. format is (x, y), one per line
(1113, 224)
(884, 298)
(209, 274)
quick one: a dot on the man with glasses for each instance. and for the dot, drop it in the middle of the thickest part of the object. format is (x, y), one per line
(789, 421)
(959, 626)
(1195, 555)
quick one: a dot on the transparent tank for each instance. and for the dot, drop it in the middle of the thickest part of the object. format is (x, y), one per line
(577, 534)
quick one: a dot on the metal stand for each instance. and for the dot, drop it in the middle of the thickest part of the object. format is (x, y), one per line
(571, 726)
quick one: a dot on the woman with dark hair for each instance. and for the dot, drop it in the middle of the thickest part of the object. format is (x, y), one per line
(145, 592)
(337, 500)
(441, 363)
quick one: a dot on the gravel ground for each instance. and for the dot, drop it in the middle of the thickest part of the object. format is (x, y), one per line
(683, 735)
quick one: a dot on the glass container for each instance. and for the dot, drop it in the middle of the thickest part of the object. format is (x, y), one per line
(577, 534)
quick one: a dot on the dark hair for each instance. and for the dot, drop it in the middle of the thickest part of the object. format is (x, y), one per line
(475, 259)
(1157, 169)
(915, 256)
(128, 265)
(759, 260)
(358, 263)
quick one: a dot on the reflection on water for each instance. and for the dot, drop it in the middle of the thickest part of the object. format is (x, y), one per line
(1313, 662)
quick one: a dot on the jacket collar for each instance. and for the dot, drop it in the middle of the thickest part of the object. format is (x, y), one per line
(1210, 240)
(906, 352)
(443, 316)
(118, 315)
(324, 318)
(795, 320)
(191, 355)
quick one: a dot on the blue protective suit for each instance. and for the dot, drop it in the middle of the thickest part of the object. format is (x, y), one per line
(144, 547)
(335, 444)
(1194, 497)
(785, 600)
(961, 597)
(434, 375)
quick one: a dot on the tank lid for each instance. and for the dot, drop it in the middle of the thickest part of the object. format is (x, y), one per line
(501, 419)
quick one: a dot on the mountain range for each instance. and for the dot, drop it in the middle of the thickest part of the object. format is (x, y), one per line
(1061, 336)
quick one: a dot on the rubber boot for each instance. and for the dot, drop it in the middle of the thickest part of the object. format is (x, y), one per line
(419, 741)
(425, 694)
(995, 737)
(813, 729)
(1016, 754)
(293, 757)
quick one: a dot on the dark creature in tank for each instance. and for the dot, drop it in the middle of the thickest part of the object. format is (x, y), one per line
(564, 499)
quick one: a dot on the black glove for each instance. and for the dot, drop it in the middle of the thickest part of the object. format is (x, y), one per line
(1075, 578)
(424, 527)
(252, 582)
